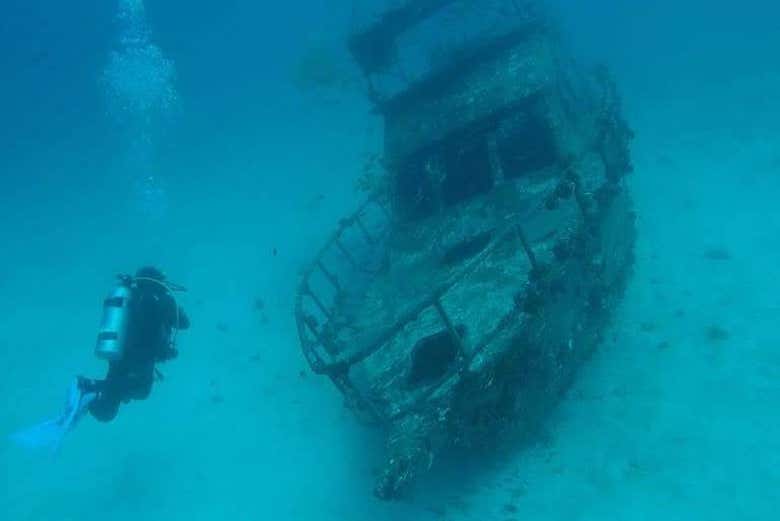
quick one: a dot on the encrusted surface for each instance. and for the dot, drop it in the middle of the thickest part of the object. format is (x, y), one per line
(510, 242)
(506, 79)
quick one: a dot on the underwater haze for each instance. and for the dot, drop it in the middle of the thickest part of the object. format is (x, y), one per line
(222, 141)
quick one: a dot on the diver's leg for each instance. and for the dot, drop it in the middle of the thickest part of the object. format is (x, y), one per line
(106, 405)
(88, 385)
(142, 383)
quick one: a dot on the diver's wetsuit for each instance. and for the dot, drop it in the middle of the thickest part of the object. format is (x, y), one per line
(153, 317)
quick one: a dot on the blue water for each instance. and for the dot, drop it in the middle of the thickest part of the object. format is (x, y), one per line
(230, 174)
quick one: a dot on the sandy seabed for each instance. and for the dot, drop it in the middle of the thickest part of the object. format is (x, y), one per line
(674, 418)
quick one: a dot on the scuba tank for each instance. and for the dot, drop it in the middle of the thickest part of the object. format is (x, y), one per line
(113, 326)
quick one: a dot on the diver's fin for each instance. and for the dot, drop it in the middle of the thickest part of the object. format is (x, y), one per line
(49, 434)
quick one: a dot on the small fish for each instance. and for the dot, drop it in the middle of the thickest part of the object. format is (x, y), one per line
(315, 202)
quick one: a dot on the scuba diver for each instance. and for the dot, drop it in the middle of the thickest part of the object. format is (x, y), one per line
(138, 330)
(140, 321)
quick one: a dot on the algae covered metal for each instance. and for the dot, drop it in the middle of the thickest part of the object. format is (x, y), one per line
(460, 299)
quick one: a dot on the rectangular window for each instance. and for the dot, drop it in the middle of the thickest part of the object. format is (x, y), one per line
(525, 145)
(414, 190)
(468, 172)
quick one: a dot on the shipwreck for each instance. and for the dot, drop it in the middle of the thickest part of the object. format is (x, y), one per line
(459, 300)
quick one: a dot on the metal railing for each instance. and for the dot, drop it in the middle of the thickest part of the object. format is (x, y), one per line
(318, 341)
(321, 348)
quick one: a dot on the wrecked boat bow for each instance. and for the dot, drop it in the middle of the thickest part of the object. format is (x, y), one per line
(461, 298)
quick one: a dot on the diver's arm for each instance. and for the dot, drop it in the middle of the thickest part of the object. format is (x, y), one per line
(175, 315)
(184, 320)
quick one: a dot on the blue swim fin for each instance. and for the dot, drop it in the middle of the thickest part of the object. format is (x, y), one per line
(49, 434)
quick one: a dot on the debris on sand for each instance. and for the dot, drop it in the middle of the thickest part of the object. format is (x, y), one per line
(259, 305)
(717, 334)
(648, 327)
(717, 254)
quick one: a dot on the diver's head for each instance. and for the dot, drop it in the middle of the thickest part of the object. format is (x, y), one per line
(150, 278)
(150, 272)
(153, 278)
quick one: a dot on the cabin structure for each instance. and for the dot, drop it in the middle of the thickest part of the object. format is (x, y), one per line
(458, 302)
